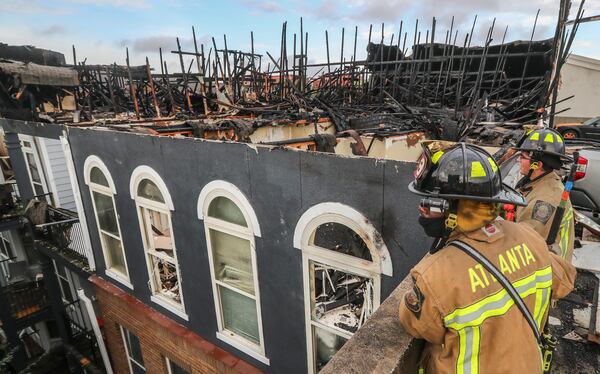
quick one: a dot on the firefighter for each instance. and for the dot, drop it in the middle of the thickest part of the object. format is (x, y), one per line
(542, 153)
(469, 321)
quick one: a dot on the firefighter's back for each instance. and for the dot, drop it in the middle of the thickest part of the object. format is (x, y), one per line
(484, 331)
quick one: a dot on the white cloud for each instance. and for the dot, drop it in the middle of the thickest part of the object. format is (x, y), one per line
(31, 7)
(138, 4)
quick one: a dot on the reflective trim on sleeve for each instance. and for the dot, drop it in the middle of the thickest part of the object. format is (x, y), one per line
(468, 355)
(541, 305)
(565, 226)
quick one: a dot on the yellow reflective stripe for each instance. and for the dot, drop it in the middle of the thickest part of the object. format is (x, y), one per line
(535, 136)
(499, 302)
(538, 305)
(493, 164)
(544, 308)
(477, 170)
(559, 138)
(436, 156)
(549, 138)
(467, 321)
(565, 225)
(475, 350)
(462, 349)
(542, 299)
(469, 340)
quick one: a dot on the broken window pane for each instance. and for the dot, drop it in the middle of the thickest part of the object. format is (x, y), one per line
(341, 299)
(326, 346)
(225, 209)
(239, 314)
(342, 239)
(147, 189)
(97, 176)
(159, 230)
(166, 276)
(232, 260)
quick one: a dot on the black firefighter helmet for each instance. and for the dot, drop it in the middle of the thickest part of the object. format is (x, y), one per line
(461, 171)
(545, 145)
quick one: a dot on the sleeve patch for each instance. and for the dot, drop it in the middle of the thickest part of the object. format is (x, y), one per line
(542, 211)
(414, 300)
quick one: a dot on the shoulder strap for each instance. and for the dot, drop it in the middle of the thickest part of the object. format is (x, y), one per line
(477, 256)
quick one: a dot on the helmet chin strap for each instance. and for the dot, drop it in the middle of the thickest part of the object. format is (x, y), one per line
(449, 226)
(527, 179)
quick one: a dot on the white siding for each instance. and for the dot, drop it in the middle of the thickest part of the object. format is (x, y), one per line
(580, 77)
(59, 182)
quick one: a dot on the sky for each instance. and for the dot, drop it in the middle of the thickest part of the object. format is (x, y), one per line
(101, 30)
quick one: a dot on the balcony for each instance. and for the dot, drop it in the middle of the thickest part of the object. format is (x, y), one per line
(61, 232)
(25, 299)
(10, 207)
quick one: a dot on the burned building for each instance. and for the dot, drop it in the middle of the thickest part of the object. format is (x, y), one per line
(237, 218)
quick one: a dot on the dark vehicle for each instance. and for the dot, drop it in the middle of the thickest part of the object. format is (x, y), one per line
(589, 129)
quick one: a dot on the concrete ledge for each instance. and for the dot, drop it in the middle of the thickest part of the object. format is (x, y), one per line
(381, 345)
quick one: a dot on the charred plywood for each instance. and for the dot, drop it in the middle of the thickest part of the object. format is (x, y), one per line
(40, 75)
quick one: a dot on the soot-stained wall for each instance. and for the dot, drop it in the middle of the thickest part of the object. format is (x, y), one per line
(280, 185)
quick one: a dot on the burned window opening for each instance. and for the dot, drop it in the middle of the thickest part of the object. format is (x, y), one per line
(166, 274)
(342, 299)
(341, 302)
(154, 213)
(342, 239)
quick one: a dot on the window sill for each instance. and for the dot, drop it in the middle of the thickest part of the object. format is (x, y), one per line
(236, 343)
(169, 306)
(119, 278)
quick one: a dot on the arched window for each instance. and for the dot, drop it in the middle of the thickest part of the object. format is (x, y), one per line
(343, 258)
(154, 207)
(231, 225)
(102, 191)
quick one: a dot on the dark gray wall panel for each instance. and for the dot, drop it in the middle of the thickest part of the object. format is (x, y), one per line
(280, 185)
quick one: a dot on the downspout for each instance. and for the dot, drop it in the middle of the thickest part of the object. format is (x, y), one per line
(92, 316)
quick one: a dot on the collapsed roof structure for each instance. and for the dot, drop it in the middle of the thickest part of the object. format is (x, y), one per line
(451, 90)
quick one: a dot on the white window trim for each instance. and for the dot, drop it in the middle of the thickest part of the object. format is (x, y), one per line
(229, 190)
(168, 360)
(146, 172)
(225, 189)
(47, 171)
(142, 204)
(91, 162)
(36, 158)
(303, 235)
(95, 161)
(348, 216)
(69, 280)
(127, 353)
(5, 236)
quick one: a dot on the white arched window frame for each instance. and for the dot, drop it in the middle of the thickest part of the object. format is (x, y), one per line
(98, 190)
(151, 213)
(247, 233)
(314, 256)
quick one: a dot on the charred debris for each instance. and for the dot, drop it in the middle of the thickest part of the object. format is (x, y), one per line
(432, 81)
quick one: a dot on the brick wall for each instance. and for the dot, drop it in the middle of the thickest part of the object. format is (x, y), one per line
(159, 336)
